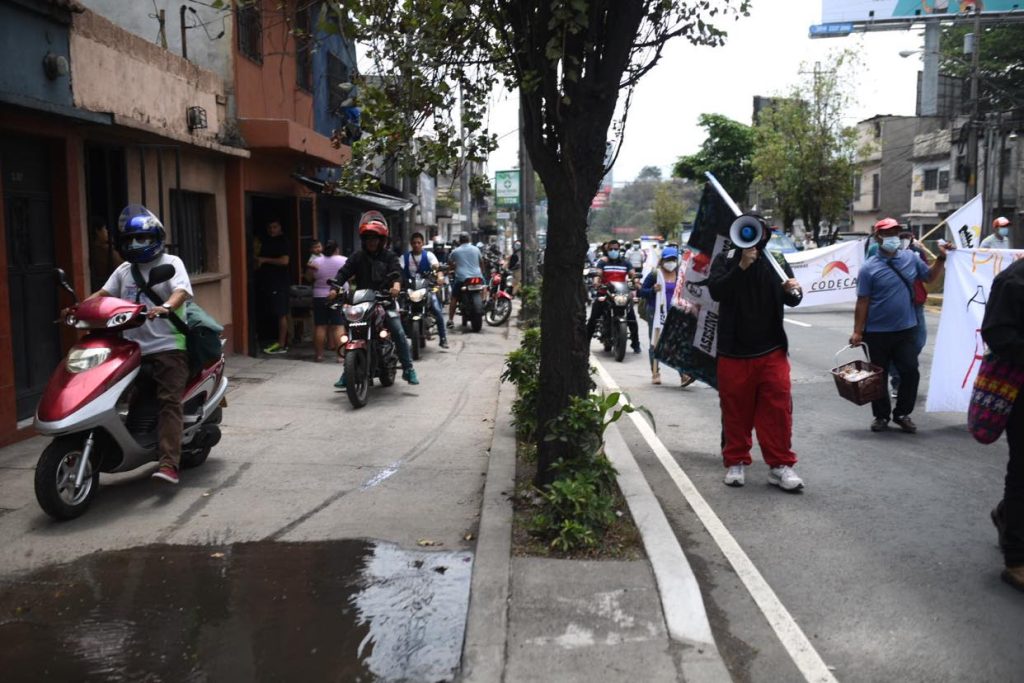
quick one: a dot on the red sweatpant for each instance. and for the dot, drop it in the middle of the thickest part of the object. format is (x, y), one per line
(755, 394)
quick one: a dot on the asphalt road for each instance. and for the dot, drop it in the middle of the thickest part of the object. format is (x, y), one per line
(887, 561)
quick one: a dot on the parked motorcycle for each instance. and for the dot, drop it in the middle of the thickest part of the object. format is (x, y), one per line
(367, 346)
(613, 325)
(471, 303)
(100, 405)
(499, 302)
(417, 312)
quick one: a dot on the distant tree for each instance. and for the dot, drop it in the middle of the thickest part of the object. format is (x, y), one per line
(804, 154)
(649, 173)
(727, 153)
(668, 210)
(1000, 60)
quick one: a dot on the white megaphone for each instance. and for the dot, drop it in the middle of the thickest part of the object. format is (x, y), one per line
(746, 231)
(749, 231)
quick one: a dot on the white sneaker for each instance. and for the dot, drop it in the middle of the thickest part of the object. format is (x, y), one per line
(734, 476)
(785, 478)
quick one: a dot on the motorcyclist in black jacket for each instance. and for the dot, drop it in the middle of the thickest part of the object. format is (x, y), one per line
(377, 267)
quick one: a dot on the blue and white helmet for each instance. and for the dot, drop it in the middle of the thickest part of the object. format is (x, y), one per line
(140, 234)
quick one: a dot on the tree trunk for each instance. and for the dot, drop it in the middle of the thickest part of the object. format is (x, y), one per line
(565, 348)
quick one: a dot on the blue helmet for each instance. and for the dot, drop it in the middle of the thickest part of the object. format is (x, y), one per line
(140, 235)
(669, 253)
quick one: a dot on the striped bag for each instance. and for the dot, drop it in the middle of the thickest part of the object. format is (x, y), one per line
(995, 391)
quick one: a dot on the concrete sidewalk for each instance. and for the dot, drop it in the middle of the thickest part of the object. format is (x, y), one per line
(538, 619)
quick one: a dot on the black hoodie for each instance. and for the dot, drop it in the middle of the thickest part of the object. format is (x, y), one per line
(1003, 325)
(751, 303)
(371, 271)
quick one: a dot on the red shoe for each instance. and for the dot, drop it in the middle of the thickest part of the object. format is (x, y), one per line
(167, 473)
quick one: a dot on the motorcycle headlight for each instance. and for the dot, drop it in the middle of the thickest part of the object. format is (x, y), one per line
(357, 312)
(119, 319)
(80, 360)
(621, 299)
(508, 281)
(416, 295)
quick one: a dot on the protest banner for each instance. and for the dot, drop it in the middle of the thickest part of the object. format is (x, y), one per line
(828, 275)
(958, 345)
(965, 224)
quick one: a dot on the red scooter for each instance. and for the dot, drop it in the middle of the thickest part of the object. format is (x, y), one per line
(101, 410)
(499, 304)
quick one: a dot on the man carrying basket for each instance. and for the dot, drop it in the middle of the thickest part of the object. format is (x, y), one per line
(884, 319)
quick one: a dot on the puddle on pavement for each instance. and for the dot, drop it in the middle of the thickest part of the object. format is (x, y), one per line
(265, 611)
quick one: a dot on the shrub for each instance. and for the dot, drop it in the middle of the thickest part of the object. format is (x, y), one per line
(522, 368)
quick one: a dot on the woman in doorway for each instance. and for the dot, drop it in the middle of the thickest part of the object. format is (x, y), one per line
(321, 269)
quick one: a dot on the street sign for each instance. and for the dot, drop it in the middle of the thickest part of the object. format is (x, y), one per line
(506, 188)
(837, 11)
(503, 215)
(831, 30)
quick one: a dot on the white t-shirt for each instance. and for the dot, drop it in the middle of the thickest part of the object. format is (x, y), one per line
(995, 242)
(158, 334)
(414, 261)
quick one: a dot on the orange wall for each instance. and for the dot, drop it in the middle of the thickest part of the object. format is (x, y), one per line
(268, 91)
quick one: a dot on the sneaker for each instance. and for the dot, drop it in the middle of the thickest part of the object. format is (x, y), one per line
(734, 476)
(450, 325)
(443, 344)
(785, 478)
(340, 384)
(1014, 576)
(275, 349)
(166, 473)
(880, 425)
(636, 349)
(905, 423)
(410, 376)
(686, 380)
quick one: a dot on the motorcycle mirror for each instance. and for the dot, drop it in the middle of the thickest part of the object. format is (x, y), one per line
(160, 274)
(62, 280)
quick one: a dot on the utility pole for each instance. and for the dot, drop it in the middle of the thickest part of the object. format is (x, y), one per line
(973, 41)
(527, 202)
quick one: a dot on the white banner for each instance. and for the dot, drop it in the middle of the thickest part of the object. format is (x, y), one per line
(958, 346)
(965, 224)
(828, 275)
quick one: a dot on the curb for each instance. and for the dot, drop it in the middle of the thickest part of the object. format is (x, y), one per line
(681, 601)
(483, 652)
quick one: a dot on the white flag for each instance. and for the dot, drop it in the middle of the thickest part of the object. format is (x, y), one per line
(965, 224)
(828, 275)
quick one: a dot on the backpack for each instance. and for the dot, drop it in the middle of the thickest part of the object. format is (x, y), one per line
(202, 332)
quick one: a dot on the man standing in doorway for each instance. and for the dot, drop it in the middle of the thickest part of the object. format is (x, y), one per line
(272, 277)
(884, 319)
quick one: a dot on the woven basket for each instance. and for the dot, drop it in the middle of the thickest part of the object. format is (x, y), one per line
(864, 390)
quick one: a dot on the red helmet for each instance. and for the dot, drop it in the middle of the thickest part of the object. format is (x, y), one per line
(1000, 222)
(886, 224)
(373, 228)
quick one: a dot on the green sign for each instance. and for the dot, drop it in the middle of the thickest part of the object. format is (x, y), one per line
(506, 188)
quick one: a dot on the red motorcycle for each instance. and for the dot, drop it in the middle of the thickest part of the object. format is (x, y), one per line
(101, 410)
(499, 302)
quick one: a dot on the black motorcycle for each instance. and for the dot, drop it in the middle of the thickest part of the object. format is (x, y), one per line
(471, 303)
(418, 313)
(613, 325)
(367, 346)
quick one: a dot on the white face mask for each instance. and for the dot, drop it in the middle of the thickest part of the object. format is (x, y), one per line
(904, 244)
(670, 265)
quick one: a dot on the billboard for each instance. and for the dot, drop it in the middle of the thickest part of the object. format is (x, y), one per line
(838, 11)
(506, 188)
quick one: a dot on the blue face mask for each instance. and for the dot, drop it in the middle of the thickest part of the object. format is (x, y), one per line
(891, 244)
(1003, 232)
(613, 254)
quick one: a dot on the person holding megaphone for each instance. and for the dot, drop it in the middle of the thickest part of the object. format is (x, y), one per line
(754, 386)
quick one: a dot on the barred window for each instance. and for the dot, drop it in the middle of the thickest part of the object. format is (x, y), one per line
(337, 73)
(304, 49)
(250, 30)
(193, 242)
(931, 179)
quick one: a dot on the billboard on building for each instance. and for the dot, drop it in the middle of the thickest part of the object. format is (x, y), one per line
(837, 11)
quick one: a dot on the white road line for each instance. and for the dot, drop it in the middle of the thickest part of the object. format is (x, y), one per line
(797, 322)
(800, 649)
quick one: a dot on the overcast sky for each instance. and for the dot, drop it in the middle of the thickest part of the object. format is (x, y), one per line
(762, 56)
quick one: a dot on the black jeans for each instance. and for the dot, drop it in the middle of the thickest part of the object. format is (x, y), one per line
(900, 350)
(1011, 510)
(597, 310)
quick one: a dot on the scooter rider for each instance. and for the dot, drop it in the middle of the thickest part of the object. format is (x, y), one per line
(614, 268)
(376, 267)
(140, 239)
(419, 260)
(467, 261)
